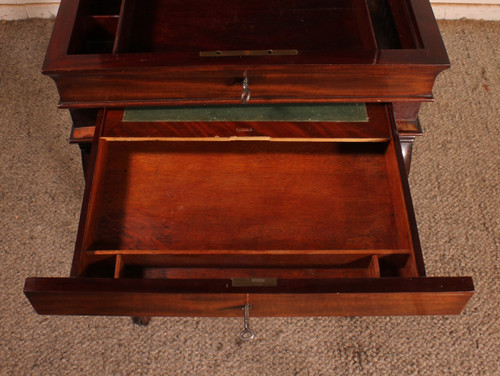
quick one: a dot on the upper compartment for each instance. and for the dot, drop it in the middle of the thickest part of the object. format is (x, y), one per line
(192, 31)
(248, 28)
(125, 52)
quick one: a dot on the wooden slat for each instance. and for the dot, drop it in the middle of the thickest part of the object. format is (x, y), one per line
(157, 252)
(158, 297)
(374, 267)
(82, 134)
(289, 260)
(119, 265)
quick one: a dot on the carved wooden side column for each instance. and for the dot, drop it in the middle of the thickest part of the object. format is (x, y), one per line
(407, 148)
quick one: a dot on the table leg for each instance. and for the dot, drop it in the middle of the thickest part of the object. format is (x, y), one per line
(141, 320)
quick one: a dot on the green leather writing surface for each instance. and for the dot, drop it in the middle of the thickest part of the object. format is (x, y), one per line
(337, 112)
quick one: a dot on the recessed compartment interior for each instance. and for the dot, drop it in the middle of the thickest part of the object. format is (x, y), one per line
(191, 26)
(103, 7)
(394, 25)
(191, 29)
(95, 27)
(244, 195)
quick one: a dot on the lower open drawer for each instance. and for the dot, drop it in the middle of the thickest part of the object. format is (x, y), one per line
(296, 218)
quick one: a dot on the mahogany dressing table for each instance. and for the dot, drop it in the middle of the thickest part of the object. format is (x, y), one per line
(246, 154)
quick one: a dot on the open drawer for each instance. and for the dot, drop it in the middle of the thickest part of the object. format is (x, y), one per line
(299, 218)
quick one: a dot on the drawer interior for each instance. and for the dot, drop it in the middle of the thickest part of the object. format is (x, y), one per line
(166, 207)
(246, 195)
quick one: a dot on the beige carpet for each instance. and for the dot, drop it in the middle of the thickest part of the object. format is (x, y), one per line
(455, 182)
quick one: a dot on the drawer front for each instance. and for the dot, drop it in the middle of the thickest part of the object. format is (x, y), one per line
(359, 297)
(157, 86)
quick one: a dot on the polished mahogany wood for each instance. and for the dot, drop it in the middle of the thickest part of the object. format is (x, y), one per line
(244, 195)
(217, 195)
(152, 62)
(184, 86)
(330, 297)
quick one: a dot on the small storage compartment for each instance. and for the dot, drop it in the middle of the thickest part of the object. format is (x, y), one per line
(95, 27)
